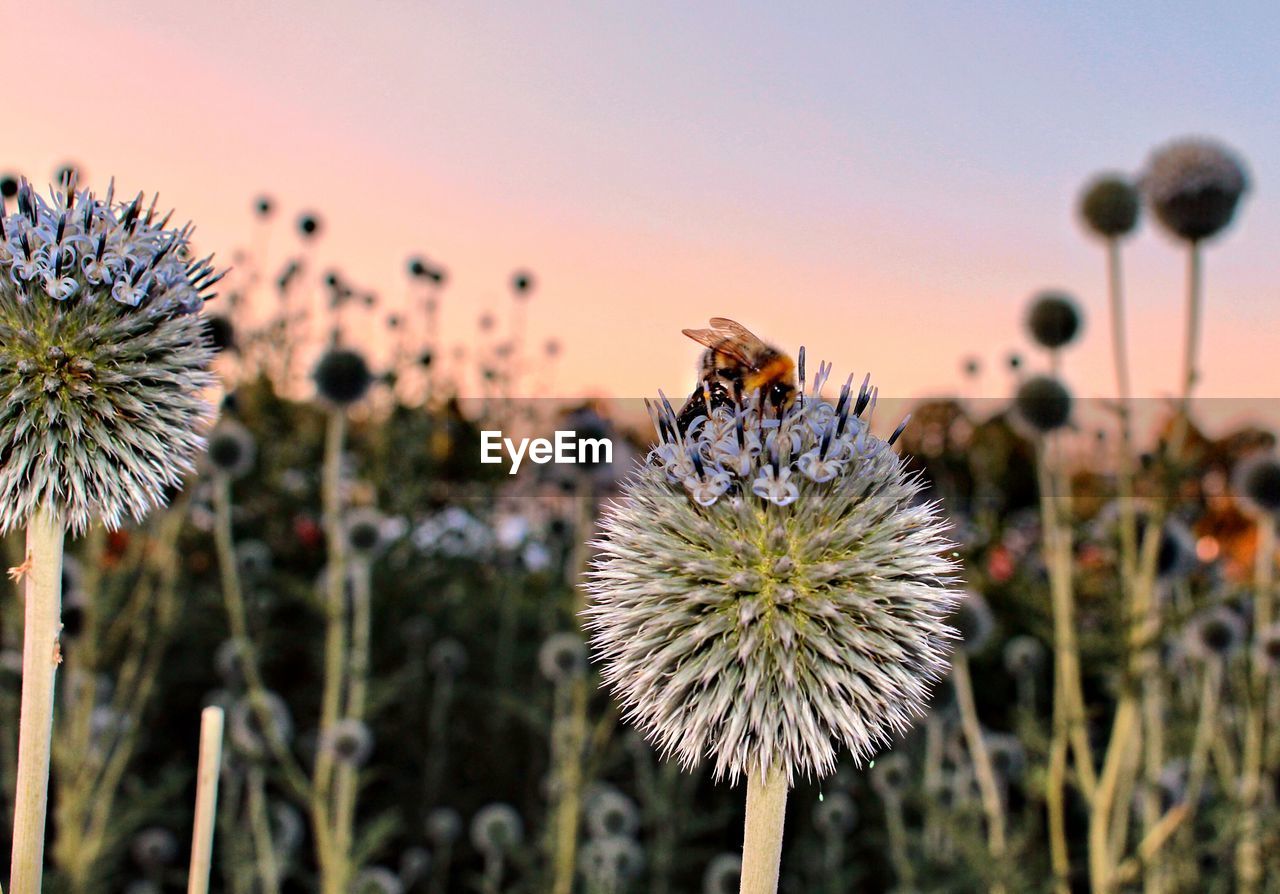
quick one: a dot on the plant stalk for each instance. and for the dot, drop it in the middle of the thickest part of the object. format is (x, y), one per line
(762, 837)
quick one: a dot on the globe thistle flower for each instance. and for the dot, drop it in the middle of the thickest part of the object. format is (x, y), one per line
(835, 814)
(610, 861)
(448, 657)
(1054, 319)
(1044, 403)
(1215, 633)
(414, 863)
(232, 449)
(244, 729)
(1257, 481)
(497, 829)
(349, 741)
(253, 558)
(376, 880)
(229, 659)
(611, 813)
(342, 377)
(1176, 557)
(1194, 186)
(890, 775)
(444, 826)
(723, 874)
(8, 186)
(562, 657)
(1023, 655)
(103, 357)
(522, 283)
(770, 586)
(365, 531)
(1008, 756)
(309, 225)
(1268, 645)
(973, 622)
(263, 206)
(1109, 206)
(153, 849)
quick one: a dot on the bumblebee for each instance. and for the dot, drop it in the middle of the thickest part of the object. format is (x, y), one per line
(735, 363)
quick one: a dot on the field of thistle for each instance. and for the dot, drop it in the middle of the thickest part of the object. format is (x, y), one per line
(1030, 647)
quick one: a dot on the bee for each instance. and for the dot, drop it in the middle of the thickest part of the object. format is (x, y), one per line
(735, 363)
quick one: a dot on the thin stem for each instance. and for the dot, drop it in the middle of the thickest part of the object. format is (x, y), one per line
(348, 773)
(897, 828)
(1249, 847)
(981, 757)
(41, 656)
(762, 837)
(1195, 298)
(207, 772)
(569, 784)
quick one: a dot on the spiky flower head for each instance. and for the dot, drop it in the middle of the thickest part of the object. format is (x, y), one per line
(104, 357)
(1054, 319)
(1110, 205)
(770, 587)
(1194, 186)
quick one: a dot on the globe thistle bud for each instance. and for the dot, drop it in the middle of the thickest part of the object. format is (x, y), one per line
(891, 775)
(769, 586)
(349, 741)
(611, 813)
(1257, 481)
(245, 731)
(8, 186)
(1044, 403)
(308, 225)
(496, 829)
(1023, 655)
(722, 875)
(522, 283)
(835, 814)
(1215, 633)
(103, 357)
(232, 449)
(1054, 319)
(974, 623)
(364, 531)
(263, 206)
(444, 827)
(562, 657)
(376, 880)
(343, 377)
(447, 657)
(1194, 186)
(1109, 206)
(611, 861)
(418, 267)
(153, 849)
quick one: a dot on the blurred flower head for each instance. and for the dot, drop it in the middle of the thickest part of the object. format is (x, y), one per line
(1194, 186)
(1054, 319)
(1023, 655)
(611, 861)
(1044, 403)
(245, 731)
(349, 741)
(376, 880)
(232, 449)
(365, 531)
(562, 657)
(342, 377)
(497, 829)
(1110, 205)
(155, 848)
(722, 875)
(973, 622)
(1257, 481)
(770, 586)
(611, 813)
(1215, 633)
(444, 826)
(104, 359)
(835, 814)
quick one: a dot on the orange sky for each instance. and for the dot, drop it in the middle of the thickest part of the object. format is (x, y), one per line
(887, 192)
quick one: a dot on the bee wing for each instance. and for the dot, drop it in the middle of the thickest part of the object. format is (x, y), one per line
(720, 340)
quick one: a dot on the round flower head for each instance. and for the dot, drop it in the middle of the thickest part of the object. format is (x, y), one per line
(1177, 554)
(1044, 403)
(1023, 655)
(376, 880)
(1216, 633)
(562, 657)
(1194, 186)
(610, 861)
(1008, 756)
(974, 623)
(1109, 206)
(1257, 480)
(612, 813)
(343, 377)
(244, 729)
(414, 863)
(232, 449)
(263, 206)
(287, 827)
(1054, 319)
(835, 814)
(496, 828)
(723, 875)
(1268, 645)
(444, 826)
(154, 848)
(891, 775)
(308, 225)
(349, 740)
(364, 531)
(448, 657)
(8, 186)
(770, 587)
(254, 559)
(522, 283)
(104, 357)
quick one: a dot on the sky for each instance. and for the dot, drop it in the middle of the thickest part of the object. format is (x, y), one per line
(887, 184)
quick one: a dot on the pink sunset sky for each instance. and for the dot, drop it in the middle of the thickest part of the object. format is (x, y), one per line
(887, 185)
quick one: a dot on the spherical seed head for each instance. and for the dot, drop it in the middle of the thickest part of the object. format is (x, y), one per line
(444, 826)
(612, 859)
(562, 657)
(103, 358)
(414, 863)
(418, 267)
(364, 531)
(1044, 403)
(1215, 633)
(891, 775)
(612, 813)
(1110, 205)
(1257, 480)
(232, 449)
(835, 814)
(254, 559)
(1194, 186)
(343, 377)
(769, 590)
(496, 828)
(154, 848)
(245, 731)
(350, 741)
(723, 875)
(1054, 319)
